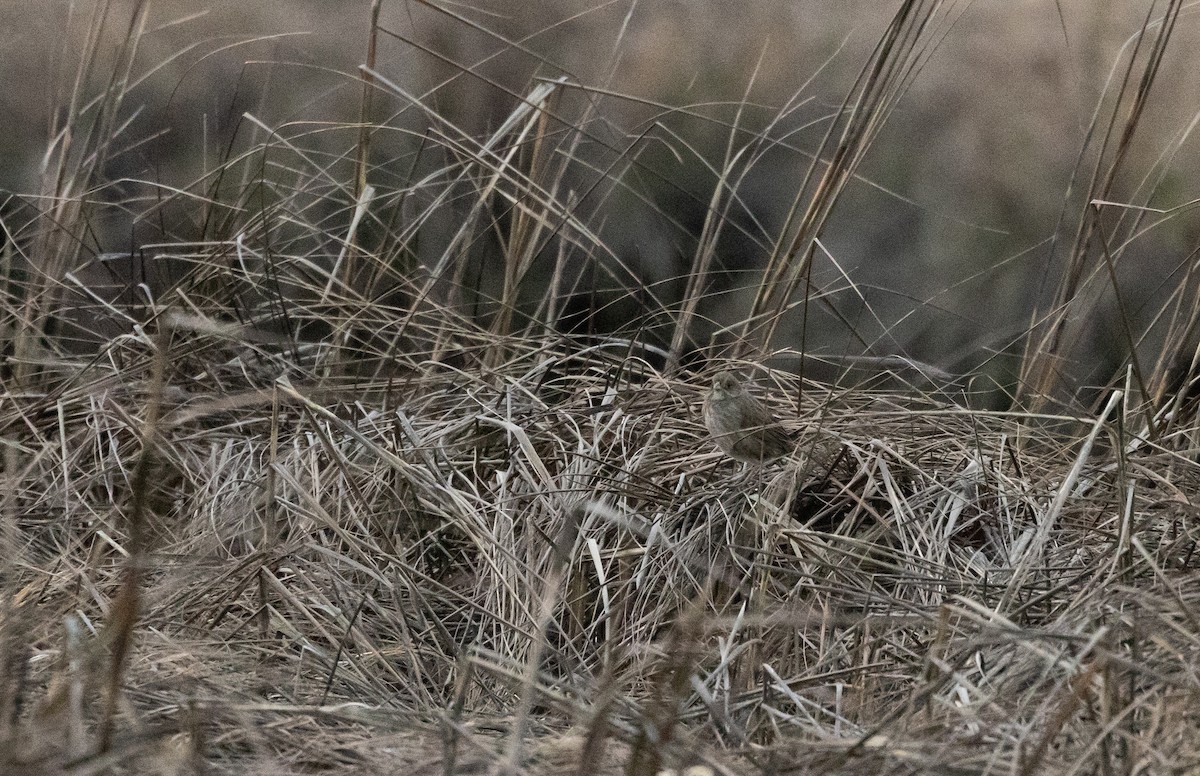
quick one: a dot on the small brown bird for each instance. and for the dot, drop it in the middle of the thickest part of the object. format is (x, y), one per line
(741, 425)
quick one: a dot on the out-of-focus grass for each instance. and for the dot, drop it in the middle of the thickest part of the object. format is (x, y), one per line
(959, 194)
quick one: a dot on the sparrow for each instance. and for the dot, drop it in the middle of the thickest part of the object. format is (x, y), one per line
(741, 425)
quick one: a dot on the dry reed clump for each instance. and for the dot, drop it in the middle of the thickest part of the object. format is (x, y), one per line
(460, 566)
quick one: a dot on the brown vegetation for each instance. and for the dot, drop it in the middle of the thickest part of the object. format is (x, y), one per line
(345, 467)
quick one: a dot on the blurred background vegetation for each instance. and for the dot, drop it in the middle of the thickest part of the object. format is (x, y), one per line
(957, 227)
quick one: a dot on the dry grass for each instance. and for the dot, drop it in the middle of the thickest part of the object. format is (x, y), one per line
(319, 497)
(363, 575)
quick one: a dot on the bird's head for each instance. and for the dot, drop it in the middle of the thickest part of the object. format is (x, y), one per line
(726, 385)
